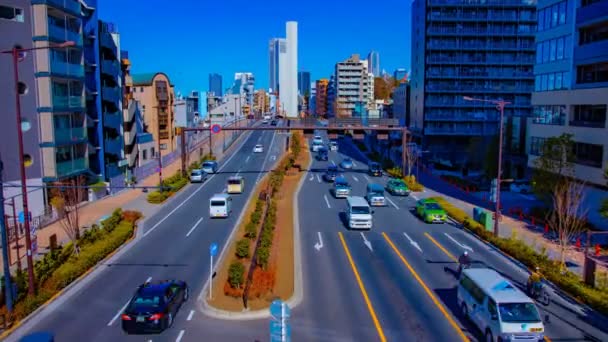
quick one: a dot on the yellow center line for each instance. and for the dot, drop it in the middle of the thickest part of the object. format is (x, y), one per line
(441, 247)
(547, 339)
(363, 291)
(427, 290)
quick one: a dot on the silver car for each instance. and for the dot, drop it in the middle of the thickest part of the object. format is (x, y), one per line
(197, 176)
(346, 164)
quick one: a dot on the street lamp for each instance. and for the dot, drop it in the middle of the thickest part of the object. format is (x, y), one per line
(500, 105)
(16, 54)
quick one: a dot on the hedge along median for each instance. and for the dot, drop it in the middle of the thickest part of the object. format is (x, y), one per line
(61, 267)
(568, 281)
(270, 221)
(410, 181)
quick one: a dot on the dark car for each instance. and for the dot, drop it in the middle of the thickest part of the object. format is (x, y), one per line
(331, 173)
(209, 166)
(322, 154)
(38, 337)
(375, 169)
(154, 306)
(273, 122)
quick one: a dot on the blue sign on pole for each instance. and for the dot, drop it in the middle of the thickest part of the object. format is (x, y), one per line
(21, 217)
(280, 329)
(216, 128)
(278, 333)
(213, 249)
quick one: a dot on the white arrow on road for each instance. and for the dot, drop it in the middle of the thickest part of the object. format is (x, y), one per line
(312, 177)
(458, 243)
(413, 243)
(366, 242)
(319, 244)
(273, 157)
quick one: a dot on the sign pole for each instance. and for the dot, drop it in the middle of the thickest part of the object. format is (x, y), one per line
(211, 278)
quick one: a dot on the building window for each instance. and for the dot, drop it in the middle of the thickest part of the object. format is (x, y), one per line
(552, 16)
(588, 2)
(593, 33)
(536, 145)
(589, 116)
(588, 154)
(11, 13)
(552, 81)
(592, 73)
(141, 89)
(549, 115)
(144, 154)
(553, 49)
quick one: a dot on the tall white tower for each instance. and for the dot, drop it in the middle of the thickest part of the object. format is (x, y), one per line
(291, 90)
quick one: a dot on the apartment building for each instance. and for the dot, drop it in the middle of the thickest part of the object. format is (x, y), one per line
(16, 18)
(354, 84)
(401, 101)
(321, 97)
(154, 92)
(480, 49)
(215, 84)
(571, 87)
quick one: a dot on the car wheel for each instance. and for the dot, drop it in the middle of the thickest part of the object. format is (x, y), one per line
(186, 294)
(489, 337)
(464, 311)
(170, 320)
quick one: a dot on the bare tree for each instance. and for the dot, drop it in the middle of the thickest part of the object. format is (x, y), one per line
(567, 215)
(66, 200)
(410, 154)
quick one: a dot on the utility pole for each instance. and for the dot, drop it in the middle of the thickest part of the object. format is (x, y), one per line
(8, 285)
(160, 159)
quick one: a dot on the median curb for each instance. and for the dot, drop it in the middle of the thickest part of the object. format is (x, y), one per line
(298, 292)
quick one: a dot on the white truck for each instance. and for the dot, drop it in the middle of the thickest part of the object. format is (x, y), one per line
(358, 213)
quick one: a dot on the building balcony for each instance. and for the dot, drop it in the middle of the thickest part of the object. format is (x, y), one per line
(466, 104)
(480, 75)
(591, 53)
(476, 47)
(67, 102)
(108, 42)
(62, 34)
(110, 67)
(471, 31)
(129, 112)
(590, 124)
(66, 136)
(129, 135)
(459, 117)
(523, 89)
(113, 146)
(70, 6)
(591, 13)
(74, 166)
(110, 94)
(480, 61)
(476, 3)
(65, 69)
(453, 131)
(144, 138)
(112, 120)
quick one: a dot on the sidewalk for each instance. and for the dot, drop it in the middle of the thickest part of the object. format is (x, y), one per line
(128, 199)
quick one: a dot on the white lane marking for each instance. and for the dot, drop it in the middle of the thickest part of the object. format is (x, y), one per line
(194, 227)
(414, 197)
(312, 177)
(247, 159)
(355, 178)
(366, 242)
(318, 178)
(327, 201)
(195, 191)
(332, 161)
(354, 165)
(190, 315)
(391, 202)
(413, 243)
(265, 159)
(238, 172)
(319, 244)
(123, 308)
(273, 157)
(179, 337)
(367, 178)
(458, 243)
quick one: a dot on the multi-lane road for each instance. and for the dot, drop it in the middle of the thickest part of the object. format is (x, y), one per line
(395, 282)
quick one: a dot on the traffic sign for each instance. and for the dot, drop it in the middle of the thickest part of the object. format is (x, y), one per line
(21, 217)
(280, 333)
(280, 329)
(215, 128)
(213, 249)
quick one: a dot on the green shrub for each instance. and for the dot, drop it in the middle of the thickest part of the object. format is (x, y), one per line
(251, 230)
(413, 184)
(157, 197)
(242, 248)
(208, 157)
(111, 222)
(236, 273)
(394, 172)
(256, 216)
(263, 256)
(98, 186)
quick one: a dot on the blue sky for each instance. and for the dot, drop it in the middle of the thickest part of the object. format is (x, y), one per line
(188, 39)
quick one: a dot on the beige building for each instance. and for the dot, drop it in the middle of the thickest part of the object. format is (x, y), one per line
(155, 94)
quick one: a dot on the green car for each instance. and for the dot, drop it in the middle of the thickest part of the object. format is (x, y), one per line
(430, 211)
(397, 187)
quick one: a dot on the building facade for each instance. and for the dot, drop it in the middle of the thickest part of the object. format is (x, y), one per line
(373, 63)
(330, 107)
(154, 92)
(482, 50)
(401, 102)
(289, 93)
(304, 83)
(16, 18)
(131, 115)
(193, 112)
(273, 63)
(215, 84)
(321, 97)
(571, 87)
(354, 85)
(400, 74)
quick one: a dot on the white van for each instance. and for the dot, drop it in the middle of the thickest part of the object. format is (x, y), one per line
(358, 213)
(220, 205)
(500, 310)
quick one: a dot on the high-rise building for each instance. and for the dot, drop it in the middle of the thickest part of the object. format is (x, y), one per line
(353, 85)
(60, 82)
(401, 101)
(330, 107)
(321, 97)
(154, 92)
(289, 92)
(282, 58)
(304, 83)
(193, 111)
(400, 74)
(478, 49)
(244, 83)
(273, 63)
(373, 63)
(16, 20)
(571, 88)
(215, 84)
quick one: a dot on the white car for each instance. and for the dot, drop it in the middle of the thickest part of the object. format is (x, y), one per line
(333, 146)
(521, 187)
(317, 140)
(258, 148)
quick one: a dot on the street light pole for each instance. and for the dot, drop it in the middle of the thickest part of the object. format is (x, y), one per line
(500, 105)
(8, 284)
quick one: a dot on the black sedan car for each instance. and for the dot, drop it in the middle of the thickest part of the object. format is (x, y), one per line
(154, 306)
(273, 122)
(375, 169)
(331, 173)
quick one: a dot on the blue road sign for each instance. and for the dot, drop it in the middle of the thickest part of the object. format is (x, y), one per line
(216, 128)
(213, 249)
(21, 217)
(278, 333)
(279, 310)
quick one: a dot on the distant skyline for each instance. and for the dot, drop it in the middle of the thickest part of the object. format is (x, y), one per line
(204, 37)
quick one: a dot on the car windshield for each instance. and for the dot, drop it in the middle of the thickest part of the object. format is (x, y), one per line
(518, 313)
(218, 203)
(196, 173)
(341, 183)
(144, 303)
(374, 167)
(432, 206)
(398, 184)
(360, 210)
(347, 161)
(208, 164)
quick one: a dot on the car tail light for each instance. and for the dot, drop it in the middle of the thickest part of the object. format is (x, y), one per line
(125, 317)
(156, 317)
